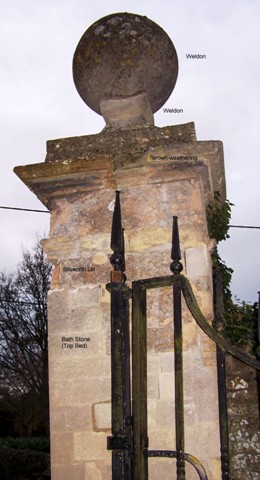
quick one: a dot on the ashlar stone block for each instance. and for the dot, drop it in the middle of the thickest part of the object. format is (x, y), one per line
(92, 472)
(102, 416)
(198, 263)
(90, 446)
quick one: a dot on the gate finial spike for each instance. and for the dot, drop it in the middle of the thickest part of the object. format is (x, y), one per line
(116, 233)
(176, 266)
(117, 259)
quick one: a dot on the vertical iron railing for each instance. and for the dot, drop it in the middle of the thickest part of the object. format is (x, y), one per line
(121, 440)
(129, 440)
(258, 325)
(258, 354)
(176, 268)
(139, 371)
(139, 382)
(219, 324)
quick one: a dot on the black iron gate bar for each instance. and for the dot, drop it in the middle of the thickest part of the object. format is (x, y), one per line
(129, 443)
(121, 441)
(223, 347)
(219, 323)
(139, 387)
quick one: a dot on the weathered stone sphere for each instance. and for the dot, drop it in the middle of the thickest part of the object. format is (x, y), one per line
(121, 55)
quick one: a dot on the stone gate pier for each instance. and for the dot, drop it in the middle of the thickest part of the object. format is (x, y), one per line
(160, 172)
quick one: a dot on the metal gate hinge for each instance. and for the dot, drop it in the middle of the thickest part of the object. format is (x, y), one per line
(120, 443)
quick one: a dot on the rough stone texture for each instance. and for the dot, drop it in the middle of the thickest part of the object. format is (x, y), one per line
(126, 146)
(130, 112)
(244, 429)
(161, 173)
(122, 55)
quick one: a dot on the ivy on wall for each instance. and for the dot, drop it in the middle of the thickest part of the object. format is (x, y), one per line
(218, 217)
(241, 318)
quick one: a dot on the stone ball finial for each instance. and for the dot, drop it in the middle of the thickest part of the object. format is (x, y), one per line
(122, 55)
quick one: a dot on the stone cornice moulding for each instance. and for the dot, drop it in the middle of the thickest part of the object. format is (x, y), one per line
(157, 155)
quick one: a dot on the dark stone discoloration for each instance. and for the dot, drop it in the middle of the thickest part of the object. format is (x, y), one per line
(116, 143)
(98, 162)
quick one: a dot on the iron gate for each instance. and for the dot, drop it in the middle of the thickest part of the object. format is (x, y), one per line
(129, 441)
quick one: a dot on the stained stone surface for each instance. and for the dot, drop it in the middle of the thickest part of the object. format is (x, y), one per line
(120, 159)
(127, 113)
(122, 55)
(128, 144)
(243, 409)
(161, 172)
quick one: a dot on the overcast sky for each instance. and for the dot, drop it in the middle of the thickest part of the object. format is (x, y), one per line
(221, 93)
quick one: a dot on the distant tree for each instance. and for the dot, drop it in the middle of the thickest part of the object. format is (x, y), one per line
(24, 343)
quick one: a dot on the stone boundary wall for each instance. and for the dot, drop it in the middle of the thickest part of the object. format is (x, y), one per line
(244, 421)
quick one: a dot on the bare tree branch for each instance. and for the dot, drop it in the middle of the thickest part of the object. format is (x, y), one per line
(23, 329)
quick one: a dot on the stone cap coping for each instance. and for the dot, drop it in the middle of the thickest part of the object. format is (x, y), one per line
(124, 159)
(118, 142)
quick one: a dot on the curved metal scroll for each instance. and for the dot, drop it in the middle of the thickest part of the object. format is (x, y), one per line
(187, 457)
(129, 441)
(206, 327)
